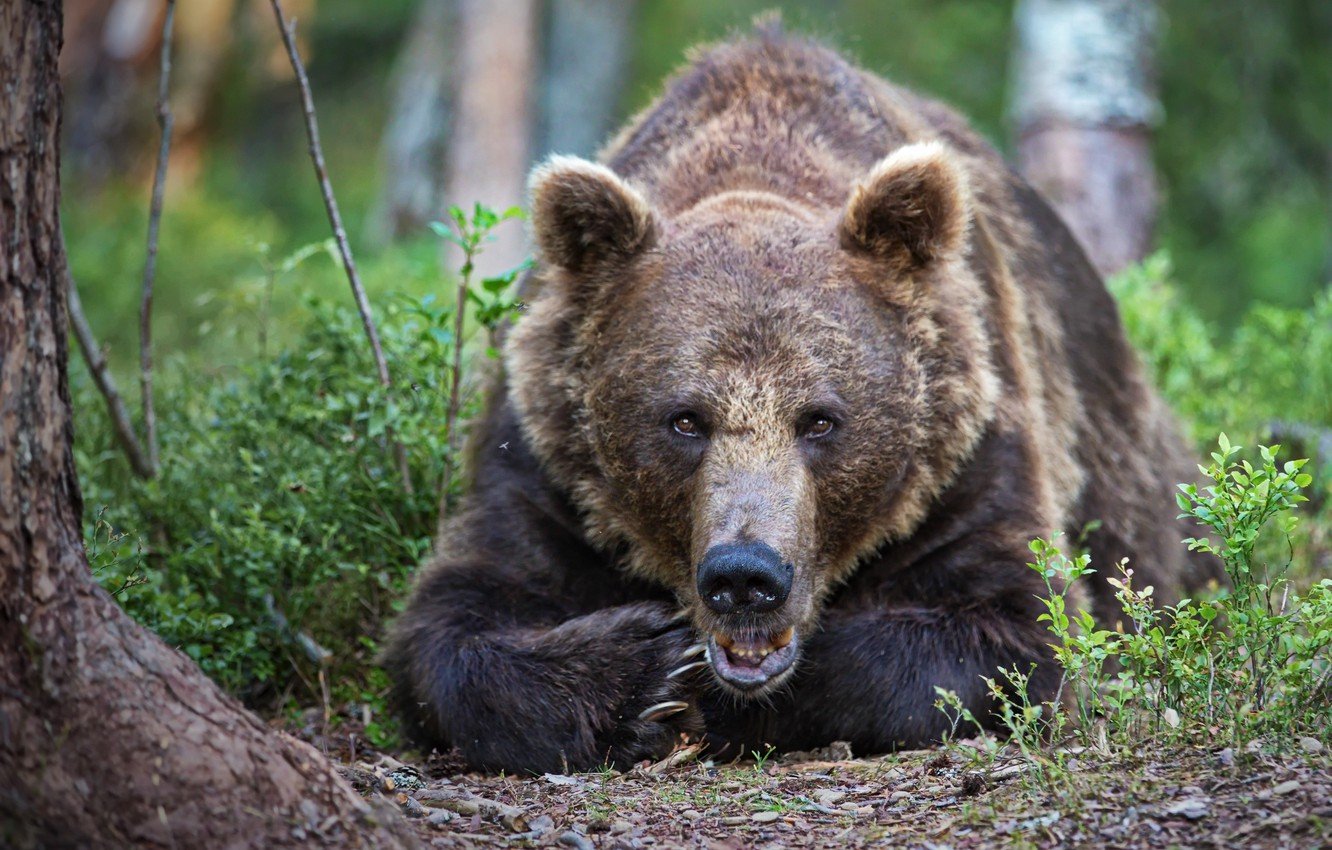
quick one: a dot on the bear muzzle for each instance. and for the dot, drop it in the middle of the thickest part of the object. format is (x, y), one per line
(746, 583)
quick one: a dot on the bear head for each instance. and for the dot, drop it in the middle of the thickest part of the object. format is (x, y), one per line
(746, 397)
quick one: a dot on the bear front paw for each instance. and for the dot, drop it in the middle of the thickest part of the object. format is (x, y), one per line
(689, 663)
(663, 711)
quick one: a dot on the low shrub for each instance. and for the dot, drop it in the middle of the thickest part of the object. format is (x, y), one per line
(280, 533)
(1273, 368)
(278, 510)
(1253, 665)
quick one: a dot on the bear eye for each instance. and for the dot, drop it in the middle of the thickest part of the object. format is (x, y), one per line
(686, 424)
(818, 427)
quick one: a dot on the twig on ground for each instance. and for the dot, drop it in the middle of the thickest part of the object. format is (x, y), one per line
(287, 28)
(165, 122)
(106, 385)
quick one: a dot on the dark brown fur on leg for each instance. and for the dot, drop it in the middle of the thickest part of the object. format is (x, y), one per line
(533, 699)
(522, 647)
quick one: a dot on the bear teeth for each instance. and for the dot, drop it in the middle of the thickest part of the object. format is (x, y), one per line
(751, 650)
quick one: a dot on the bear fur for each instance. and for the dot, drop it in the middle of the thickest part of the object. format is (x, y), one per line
(798, 309)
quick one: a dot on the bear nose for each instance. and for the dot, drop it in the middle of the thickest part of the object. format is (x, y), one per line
(747, 577)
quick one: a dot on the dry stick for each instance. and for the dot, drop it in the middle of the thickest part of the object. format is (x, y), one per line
(144, 463)
(106, 385)
(165, 121)
(288, 30)
(455, 401)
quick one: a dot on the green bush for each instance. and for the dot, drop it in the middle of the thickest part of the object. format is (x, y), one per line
(1274, 366)
(1253, 665)
(1266, 380)
(280, 526)
(278, 500)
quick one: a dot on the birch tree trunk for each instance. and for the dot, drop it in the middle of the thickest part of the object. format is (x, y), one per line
(108, 737)
(1084, 103)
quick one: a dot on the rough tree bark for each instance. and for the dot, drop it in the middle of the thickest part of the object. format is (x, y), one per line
(1084, 103)
(587, 53)
(492, 125)
(108, 738)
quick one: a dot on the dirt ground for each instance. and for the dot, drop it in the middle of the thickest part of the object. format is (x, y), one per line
(1153, 798)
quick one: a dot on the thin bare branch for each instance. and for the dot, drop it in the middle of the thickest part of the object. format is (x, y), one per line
(106, 385)
(455, 398)
(287, 28)
(165, 121)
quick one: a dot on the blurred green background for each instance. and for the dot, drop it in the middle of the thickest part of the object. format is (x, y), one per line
(1244, 154)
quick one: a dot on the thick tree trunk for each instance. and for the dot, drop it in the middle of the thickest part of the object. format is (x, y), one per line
(587, 52)
(1084, 104)
(492, 125)
(108, 738)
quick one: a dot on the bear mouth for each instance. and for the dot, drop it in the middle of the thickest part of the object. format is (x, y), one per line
(748, 663)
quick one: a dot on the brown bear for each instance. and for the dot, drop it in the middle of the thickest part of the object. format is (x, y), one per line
(805, 368)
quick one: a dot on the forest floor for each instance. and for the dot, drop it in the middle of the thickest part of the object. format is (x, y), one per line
(1154, 798)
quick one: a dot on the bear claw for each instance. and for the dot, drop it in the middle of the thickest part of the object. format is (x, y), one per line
(696, 649)
(680, 671)
(662, 710)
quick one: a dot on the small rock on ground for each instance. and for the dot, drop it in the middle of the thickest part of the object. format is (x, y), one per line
(576, 841)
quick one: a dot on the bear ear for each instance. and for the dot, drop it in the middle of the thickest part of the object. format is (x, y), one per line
(912, 209)
(584, 215)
